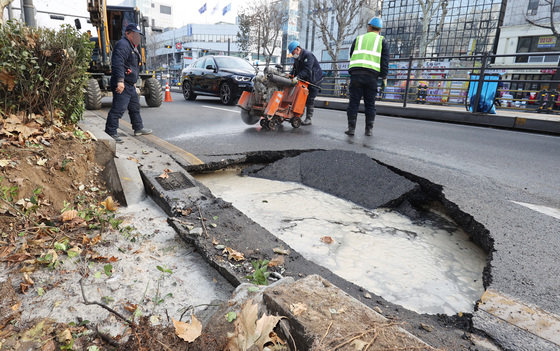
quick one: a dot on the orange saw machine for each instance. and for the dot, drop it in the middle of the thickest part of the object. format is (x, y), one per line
(275, 98)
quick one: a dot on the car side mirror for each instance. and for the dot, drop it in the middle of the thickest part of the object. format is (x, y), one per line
(211, 67)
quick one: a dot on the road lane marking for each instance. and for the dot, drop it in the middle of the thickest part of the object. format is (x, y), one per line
(187, 156)
(549, 211)
(220, 108)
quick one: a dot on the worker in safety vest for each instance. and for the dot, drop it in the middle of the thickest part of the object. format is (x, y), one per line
(369, 60)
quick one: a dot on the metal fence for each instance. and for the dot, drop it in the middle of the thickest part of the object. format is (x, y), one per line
(522, 81)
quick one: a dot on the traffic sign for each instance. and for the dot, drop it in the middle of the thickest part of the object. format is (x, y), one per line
(178, 46)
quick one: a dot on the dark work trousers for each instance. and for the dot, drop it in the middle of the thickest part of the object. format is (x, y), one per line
(128, 99)
(310, 103)
(362, 85)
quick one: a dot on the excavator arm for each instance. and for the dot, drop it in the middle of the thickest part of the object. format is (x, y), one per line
(98, 15)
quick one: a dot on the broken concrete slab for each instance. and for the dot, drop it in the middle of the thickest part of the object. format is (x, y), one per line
(323, 317)
(515, 324)
(130, 180)
(318, 316)
(351, 176)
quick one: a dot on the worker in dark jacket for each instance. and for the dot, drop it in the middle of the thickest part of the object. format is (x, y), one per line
(307, 68)
(125, 63)
(369, 60)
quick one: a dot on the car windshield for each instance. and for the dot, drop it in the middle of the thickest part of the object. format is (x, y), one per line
(233, 62)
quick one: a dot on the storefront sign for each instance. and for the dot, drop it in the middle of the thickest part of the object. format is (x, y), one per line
(546, 42)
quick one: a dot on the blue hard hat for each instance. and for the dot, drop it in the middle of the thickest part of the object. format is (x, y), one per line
(292, 46)
(376, 22)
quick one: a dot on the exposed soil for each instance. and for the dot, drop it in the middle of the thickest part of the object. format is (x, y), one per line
(57, 228)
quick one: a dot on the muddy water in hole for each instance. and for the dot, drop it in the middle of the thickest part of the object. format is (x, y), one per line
(422, 267)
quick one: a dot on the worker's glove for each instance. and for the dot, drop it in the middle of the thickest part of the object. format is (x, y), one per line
(384, 83)
(294, 80)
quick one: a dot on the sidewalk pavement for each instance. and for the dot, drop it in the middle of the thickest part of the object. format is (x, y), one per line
(504, 118)
(514, 324)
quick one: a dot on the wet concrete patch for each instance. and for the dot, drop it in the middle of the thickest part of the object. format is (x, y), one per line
(238, 231)
(428, 265)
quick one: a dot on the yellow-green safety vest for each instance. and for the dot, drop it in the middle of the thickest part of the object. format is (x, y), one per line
(367, 51)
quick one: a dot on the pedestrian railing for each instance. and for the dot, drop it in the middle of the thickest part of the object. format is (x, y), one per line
(524, 81)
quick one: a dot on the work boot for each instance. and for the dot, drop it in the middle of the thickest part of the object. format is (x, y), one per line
(350, 131)
(308, 114)
(368, 131)
(142, 131)
(117, 138)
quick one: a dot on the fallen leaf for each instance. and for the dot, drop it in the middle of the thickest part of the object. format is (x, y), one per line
(235, 255)
(27, 279)
(42, 161)
(133, 159)
(185, 212)
(69, 215)
(214, 241)
(188, 331)
(281, 251)
(95, 240)
(16, 307)
(276, 261)
(130, 307)
(327, 240)
(249, 331)
(165, 173)
(4, 163)
(8, 80)
(298, 308)
(109, 204)
(49, 346)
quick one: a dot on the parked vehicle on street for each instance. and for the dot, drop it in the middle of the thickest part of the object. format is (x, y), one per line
(223, 76)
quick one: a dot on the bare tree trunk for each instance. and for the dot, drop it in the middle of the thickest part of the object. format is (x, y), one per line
(3, 5)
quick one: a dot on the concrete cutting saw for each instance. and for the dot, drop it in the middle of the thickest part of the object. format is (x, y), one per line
(275, 98)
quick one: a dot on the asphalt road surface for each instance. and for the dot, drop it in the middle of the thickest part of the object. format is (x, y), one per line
(508, 181)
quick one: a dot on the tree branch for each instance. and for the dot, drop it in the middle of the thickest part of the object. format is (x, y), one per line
(86, 302)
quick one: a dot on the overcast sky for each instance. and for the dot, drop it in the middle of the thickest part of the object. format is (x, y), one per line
(188, 11)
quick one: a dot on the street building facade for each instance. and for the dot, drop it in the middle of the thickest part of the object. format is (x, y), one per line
(467, 27)
(519, 36)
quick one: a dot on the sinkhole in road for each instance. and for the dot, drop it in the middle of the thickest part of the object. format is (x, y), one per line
(428, 266)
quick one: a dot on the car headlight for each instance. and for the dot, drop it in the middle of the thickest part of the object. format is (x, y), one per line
(242, 78)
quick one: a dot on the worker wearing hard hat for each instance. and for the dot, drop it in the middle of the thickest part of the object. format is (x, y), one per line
(306, 67)
(369, 60)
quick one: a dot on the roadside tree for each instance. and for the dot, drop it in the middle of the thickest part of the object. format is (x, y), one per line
(267, 19)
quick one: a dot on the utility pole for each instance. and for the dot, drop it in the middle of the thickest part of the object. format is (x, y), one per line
(29, 13)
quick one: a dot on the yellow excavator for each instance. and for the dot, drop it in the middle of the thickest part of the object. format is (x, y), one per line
(110, 22)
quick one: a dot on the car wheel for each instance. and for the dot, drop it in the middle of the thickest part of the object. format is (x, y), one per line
(188, 93)
(226, 94)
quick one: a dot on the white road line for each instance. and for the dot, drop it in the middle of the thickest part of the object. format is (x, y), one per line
(222, 109)
(549, 211)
